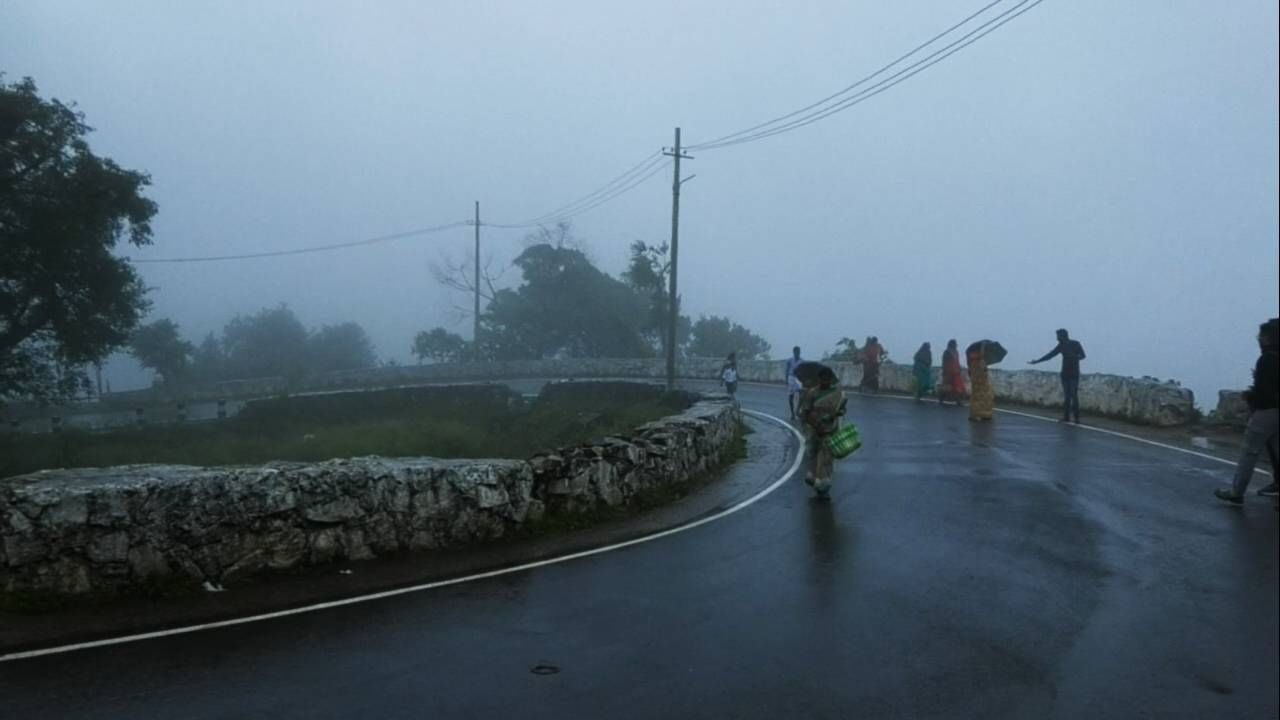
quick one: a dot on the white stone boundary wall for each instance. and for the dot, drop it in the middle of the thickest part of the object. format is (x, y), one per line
(106, 530)
(1139, 400)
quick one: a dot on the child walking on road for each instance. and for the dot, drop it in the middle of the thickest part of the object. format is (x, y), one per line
(729, 375)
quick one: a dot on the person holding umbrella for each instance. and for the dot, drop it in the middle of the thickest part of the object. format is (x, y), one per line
(821, 407)
(981, 354)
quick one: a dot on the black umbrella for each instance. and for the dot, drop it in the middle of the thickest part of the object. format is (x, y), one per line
(807, 372)
(992, 351)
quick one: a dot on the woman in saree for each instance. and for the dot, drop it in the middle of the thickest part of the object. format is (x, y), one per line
(872, 355)
(953, 388)
(922, 371)
(982, 405)
(822, 405)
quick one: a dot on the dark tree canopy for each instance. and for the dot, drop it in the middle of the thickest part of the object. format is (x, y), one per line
(65, 299)
(345, 346)
(565, 306)
(271, 342)
(715, 336)
(160, 347)
(209, 360)
(648, 273)
(439, 345)
(846, 349)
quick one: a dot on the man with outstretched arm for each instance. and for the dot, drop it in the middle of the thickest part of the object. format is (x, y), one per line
(1072, 353)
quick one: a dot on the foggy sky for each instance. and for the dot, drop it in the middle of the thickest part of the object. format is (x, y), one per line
(1107, 167)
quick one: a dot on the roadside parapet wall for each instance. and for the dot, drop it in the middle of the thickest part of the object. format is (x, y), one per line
(1141, 400)
(104, 530)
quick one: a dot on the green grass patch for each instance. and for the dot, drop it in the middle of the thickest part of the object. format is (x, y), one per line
(457, 422)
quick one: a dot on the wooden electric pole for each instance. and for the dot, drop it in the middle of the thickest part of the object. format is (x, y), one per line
(673, 306)
(475, 332)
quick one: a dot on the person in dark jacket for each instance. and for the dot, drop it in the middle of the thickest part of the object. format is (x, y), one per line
(1263, 397)
(1072, 353)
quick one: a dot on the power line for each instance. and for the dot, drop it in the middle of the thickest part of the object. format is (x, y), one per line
(650, 168)
(655, 162)
(586, 201)
(763, 130)
(620, 191)
(318, 248)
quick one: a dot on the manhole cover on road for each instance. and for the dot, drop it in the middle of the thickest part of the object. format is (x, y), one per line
(544, 669)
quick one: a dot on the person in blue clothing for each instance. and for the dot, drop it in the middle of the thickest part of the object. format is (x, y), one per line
(1072, 353)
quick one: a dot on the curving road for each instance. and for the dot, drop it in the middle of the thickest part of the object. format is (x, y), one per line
(1019, 569)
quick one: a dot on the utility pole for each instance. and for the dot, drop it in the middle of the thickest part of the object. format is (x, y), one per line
(673, 308)
(475, 332)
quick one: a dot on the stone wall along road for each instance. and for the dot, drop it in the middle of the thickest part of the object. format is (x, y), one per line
(1140, 400)
(107, 530)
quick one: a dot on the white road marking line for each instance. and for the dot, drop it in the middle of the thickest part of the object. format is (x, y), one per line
(795, 465)
(1135, 438)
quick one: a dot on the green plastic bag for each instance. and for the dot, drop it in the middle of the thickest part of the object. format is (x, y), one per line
(844, 442)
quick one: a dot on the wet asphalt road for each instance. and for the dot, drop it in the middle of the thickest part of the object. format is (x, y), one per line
(1019, 569)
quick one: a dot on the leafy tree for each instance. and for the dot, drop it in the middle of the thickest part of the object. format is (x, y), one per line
(209, 361)
(648, 274)
(271, 342)
(439, 345)
(847, 350)
(66, 301)
(565, 306)
(160, 347)
(339, 347)
(715, 336)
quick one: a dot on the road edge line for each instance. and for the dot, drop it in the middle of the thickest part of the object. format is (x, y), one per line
(315, 607)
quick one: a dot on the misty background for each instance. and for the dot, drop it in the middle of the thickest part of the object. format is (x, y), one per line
(1106, 167)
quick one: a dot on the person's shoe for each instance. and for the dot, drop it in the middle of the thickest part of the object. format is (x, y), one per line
(808, 480)
(1228, 496)
(1270, 490)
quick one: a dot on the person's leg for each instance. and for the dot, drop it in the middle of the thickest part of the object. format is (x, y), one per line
(823, 464)
(1257, 435)
(1066, 398)
(791, 403)
(1073, 397)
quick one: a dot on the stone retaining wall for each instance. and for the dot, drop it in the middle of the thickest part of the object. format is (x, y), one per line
(1232, 410)
(1140, 400)
(90, 530)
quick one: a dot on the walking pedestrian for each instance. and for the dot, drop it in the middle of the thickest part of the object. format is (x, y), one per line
(794, 386)
(872, 355)
(821, 409)
(953, 388)
(982, 404)
(1263, 397)
(729, 376)
(922, 371)
(1072, 353)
